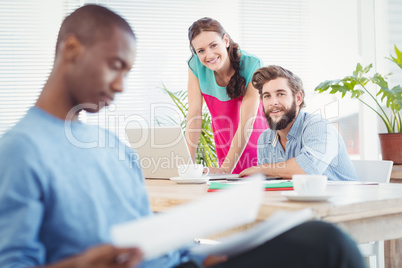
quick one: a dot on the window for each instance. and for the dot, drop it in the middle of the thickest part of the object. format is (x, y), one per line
(162, 51)
(318, 40)
(268, 29)
(27, 40)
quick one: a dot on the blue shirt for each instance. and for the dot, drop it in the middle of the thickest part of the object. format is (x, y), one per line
(62, 186)
(316, 145)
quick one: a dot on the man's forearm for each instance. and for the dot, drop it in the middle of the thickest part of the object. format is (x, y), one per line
(284, 169)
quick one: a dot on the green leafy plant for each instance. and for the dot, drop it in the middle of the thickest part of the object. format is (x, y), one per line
(356, 85)
(206, 153)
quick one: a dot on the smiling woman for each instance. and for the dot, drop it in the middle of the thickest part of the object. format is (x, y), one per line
(220, 73)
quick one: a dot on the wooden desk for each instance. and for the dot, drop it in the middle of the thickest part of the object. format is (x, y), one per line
(366, 212)
(396, 175)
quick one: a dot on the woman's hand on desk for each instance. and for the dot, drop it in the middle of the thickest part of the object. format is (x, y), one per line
(251, 171)
(215, 170)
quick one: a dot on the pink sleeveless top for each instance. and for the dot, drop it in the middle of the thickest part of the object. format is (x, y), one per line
(225, 112)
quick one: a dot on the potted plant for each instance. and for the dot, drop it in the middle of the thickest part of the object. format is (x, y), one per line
(391, 142)
(206, 153)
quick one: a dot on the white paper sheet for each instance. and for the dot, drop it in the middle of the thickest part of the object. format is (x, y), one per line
(275, 225)
(163, 232)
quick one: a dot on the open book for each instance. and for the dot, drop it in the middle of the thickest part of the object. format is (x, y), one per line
(216, 212)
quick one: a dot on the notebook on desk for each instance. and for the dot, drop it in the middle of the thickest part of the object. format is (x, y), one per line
(160, 150)
(284, 185)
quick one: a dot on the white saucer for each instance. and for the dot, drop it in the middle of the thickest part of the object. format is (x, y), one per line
(293, 196)
(198, 180)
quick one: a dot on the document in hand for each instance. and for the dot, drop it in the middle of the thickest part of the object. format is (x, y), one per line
(208, 215)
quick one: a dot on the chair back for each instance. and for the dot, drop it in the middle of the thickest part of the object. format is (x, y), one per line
(373, 170)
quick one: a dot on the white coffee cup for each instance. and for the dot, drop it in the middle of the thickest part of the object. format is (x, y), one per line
(192, 171)
(305, 184)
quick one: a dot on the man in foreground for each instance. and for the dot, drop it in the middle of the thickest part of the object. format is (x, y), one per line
(296, 142)
(63, 183)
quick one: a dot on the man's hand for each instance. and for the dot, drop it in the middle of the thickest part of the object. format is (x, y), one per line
(284, 169)
(213, 260)
(103, 256)
(108, 256)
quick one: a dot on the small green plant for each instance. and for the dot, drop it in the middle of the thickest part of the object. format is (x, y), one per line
(356, 85)
(206, 153)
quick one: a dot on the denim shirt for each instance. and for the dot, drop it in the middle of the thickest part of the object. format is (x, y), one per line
(316, 145)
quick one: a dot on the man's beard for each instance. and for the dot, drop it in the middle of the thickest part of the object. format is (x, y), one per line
(284, 121)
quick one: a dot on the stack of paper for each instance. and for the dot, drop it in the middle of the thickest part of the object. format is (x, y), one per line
(163, 232)
(216, 212)
(268, 186)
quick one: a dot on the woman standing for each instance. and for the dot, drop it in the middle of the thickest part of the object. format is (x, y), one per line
(221, 73)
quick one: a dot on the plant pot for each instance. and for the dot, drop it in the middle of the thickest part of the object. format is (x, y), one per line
(391, 147)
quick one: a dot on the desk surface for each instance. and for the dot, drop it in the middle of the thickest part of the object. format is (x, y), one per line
(396, 175)
(367, 212)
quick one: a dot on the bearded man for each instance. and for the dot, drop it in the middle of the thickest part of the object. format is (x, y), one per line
(296, 142)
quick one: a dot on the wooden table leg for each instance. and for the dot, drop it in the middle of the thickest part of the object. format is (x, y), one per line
(393, 253)
(393, 248)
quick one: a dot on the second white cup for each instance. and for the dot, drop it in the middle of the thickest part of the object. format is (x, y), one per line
(192, 171)
(305, 184)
